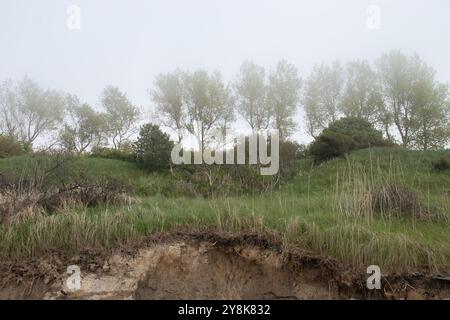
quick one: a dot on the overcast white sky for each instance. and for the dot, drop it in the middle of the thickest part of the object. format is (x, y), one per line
(127, 43)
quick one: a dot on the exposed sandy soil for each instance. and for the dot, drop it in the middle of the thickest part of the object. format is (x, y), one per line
(205, 266)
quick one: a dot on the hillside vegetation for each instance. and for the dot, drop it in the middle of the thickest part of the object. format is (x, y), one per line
(385, 206)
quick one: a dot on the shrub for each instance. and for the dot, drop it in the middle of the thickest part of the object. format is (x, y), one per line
(108, 191)
(289, 152)
(52, 183)
(330, 145)
(153, 148)
(9, 147)
(442, 164)
(360, 130)
(344, 135)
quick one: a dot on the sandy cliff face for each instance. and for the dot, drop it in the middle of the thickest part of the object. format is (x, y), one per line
(213, 267)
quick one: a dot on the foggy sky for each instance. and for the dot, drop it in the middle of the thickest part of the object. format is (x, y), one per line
(127, 43)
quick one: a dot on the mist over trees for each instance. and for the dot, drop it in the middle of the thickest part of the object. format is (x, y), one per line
(121, 116)
(283, 97)
(250, 96)
(168, 95)
(29, 111)
(400, 95)
(84, 127)
(323, 96)
(416, 103)
(397, 94)
(362, 97)
(208, 105)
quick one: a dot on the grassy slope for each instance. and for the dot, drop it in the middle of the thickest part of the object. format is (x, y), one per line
(92, 169)
(411, 168)
(303, 212)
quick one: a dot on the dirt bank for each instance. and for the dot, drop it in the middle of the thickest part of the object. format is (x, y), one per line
(205, 266)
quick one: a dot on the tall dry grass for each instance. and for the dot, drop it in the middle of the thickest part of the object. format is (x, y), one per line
(371, 191)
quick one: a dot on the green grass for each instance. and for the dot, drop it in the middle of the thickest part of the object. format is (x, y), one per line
(90, 169)
(303, 213)
(399, 245)
(411, 168)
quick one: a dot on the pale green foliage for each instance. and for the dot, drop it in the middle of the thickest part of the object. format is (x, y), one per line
(395, 70)
(417, 103)
(431, 115)
(121, 116)
(9, 113)
(283, 97)
(41, 110)
(208, 105)
(84, 128)
(29, 111)
(250, 96)
(362, 97)
(322, 96)
(168, 96)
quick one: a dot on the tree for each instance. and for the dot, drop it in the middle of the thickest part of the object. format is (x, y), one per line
(315, 118)
(416, 102)
(323, 96)
(362, 95)
(153, 148)
(9, 113)
(84, 128)
(208, 106)
(283, 97)
(168, 94)
(28, 111)
(250, 96)
(41, 110)
(395, 71)
(430, 123)
(121, 116)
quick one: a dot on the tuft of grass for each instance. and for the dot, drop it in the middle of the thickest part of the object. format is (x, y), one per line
(365, 193)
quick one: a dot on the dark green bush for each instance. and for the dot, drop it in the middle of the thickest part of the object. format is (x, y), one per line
(442, 164)
(9, 147)
(153, 148)
(345, 135)
(360, 130)
(289, 152)
(330, 145)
